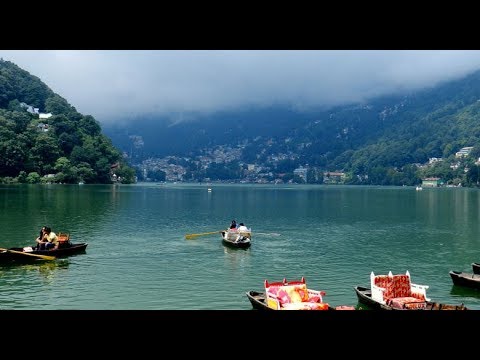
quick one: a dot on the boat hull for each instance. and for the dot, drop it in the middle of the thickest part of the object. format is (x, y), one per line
(257, 299)
(465, 279)
(364, 296)
(8, 258)
(476, 268)
(230, 240)
(65, 250)
(238, 245)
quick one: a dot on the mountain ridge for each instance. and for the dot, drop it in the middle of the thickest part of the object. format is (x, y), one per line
(383, 135)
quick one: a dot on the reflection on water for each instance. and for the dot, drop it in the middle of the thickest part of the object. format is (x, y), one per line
(236, 258)
(50, 269)
(462, 291)
(47, 269)
(22, 285)
(233, 250)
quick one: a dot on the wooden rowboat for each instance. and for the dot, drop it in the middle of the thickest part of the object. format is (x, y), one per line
(470, 280)
(364, 296)
(234, 239)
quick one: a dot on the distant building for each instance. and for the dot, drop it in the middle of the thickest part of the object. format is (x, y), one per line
(301, 172)
(333, 177)
(433, 160)
(42, 127)
(44, 116)
(29, 108)
(464, 151)
(431, 182)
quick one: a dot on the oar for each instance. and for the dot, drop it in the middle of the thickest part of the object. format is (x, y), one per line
(45, 257)
(192, 236)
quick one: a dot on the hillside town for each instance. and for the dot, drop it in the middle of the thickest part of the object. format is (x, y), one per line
(197, 169)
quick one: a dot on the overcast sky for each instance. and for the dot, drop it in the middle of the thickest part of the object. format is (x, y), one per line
(112, 85)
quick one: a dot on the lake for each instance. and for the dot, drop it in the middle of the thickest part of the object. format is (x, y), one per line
(139, 259)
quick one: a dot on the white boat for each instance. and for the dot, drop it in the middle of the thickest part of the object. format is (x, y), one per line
(418, 188)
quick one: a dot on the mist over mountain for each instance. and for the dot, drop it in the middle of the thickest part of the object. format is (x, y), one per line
(375, 142)
(388, 140)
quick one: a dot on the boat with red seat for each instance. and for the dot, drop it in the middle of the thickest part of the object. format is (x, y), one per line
(397, 292)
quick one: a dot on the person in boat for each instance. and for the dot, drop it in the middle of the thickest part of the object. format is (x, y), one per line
(39, 239)
(50, 240)
(233, 225)
(242, 228)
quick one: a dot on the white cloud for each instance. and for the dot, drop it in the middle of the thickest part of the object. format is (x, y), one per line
(113, 84)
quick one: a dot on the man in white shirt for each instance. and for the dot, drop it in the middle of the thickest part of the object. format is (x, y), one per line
(242, 228)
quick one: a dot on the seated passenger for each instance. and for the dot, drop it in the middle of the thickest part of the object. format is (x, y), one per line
(50, 240)
(242, 228)
(40, 238)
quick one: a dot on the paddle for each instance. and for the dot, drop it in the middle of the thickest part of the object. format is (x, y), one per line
(44, 257)
(192, 236)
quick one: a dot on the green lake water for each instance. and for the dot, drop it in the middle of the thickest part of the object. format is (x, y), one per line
(138, 257)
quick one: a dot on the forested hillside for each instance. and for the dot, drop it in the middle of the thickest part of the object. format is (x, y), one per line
(385, 141)
(45, 139)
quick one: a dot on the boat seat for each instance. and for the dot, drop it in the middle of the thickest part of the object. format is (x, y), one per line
(63, 237)
(398, 291)
(293, 295)
(63, 240)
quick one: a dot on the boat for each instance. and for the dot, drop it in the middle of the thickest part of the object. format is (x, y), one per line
(397, 292)
(419, 188)
(470, 280)
(236, 239)
(65, 247)
(364, 296)
(257, 299)
(476, 268)
(288, 295)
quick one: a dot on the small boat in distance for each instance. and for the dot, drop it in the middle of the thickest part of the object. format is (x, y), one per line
(419, 188)
(237, 239)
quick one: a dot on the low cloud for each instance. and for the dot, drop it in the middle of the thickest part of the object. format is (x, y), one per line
(114, 85)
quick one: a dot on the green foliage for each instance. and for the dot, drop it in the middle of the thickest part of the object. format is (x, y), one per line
(156, 175)
(68, 144)
(33, 178)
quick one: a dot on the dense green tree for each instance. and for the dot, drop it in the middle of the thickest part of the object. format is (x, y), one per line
(126, 174)
(67, 144)
(33, 178)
